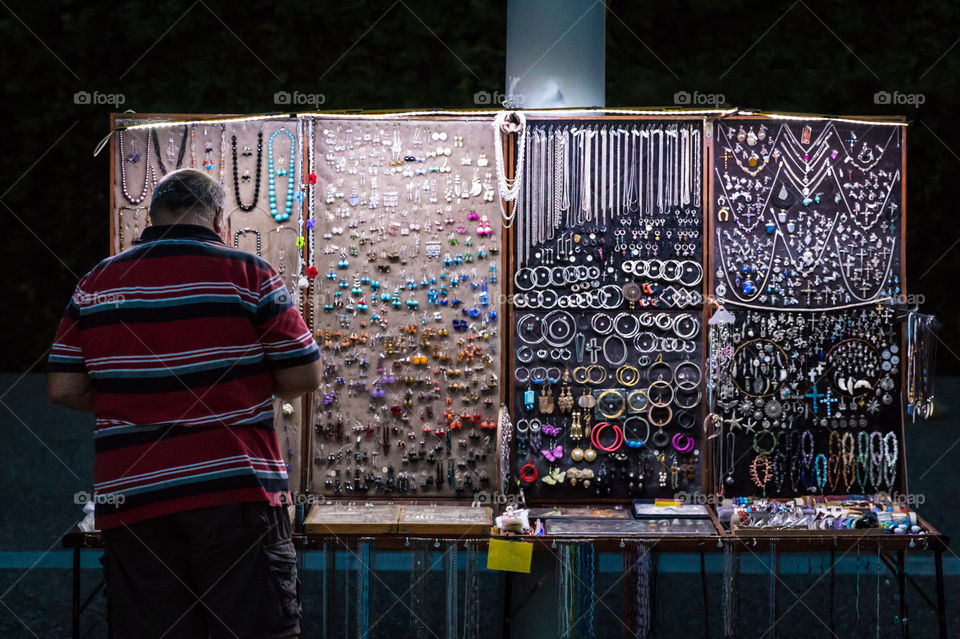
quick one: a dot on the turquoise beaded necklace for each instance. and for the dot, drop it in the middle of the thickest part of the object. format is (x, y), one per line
(288, 201)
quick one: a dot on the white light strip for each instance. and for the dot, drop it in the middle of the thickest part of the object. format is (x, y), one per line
(163, 123)
(785, 116)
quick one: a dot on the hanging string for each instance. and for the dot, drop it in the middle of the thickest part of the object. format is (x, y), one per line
(731, 568)
(471, 594)
(452, 598)
(642, 590)
(418, 578)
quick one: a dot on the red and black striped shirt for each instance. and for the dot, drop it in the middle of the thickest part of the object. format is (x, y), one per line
(179, 335)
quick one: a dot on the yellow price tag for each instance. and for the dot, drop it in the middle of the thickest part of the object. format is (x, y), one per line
(512, 556)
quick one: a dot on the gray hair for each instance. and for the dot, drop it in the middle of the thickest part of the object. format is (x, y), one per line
(186, 195)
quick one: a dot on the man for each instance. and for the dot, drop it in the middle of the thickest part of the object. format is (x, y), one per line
(178, 345)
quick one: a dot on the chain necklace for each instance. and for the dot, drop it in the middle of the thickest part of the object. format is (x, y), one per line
(509, 189)
(134, 158)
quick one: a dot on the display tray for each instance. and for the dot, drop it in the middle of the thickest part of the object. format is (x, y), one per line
(578, 512)
(352, 519)
(630, 527)
(653, 511)
(465, 520)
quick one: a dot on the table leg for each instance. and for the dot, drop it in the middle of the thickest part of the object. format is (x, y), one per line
(902, 589)
(941, 598)
(76, 593)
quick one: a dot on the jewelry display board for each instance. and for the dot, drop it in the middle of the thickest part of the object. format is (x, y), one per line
(806, 368)
(608, 245)
(405, 303)
(259, 164)
(807, 214)
(810, 403)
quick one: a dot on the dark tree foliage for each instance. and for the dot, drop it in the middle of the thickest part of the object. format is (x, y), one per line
(211, 56)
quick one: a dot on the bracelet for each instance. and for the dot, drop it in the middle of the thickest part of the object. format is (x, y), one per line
(660, 438)
(659, 404)
(665, 372)
(694, 403)
(686, 419)
(654, 422)
(633, 404)
(635, 443)
(685, 381)
(756, 442)
(600, 408)
(595, 436)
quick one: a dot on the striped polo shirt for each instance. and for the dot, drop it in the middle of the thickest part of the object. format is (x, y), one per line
(180, 334)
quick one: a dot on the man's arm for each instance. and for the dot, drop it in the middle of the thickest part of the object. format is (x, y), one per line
(292, 382)
(73, 390)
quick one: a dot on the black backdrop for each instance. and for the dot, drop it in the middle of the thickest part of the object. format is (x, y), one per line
(210, 56)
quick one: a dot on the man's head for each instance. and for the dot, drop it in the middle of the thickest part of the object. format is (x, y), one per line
(187, 196)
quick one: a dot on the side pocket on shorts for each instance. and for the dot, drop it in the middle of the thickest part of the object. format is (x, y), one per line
(281, 560)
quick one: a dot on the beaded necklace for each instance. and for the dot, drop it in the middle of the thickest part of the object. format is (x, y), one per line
(288, 172)
(134, 158)
(236, 179)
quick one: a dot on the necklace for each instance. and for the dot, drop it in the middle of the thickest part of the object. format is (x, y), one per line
(170, 151)
(246, 176)
(509, 189)
(134, 158)
(288, 172)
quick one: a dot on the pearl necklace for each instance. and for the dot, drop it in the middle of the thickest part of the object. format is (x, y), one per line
(146, 170)
(271, 176)
(509, 189)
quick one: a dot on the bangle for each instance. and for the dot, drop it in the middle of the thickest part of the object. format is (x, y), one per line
(660, 438)
(684, 380)
(529, 321)
(659, 424)
(685, 419)
(650, 397)
(663, 368)
(528, 473)
(691, 405)
(622, 377)
(595, 437)
(633, 404)
(563, 319)
(611, 415)
(525, 354)
(635, 443)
